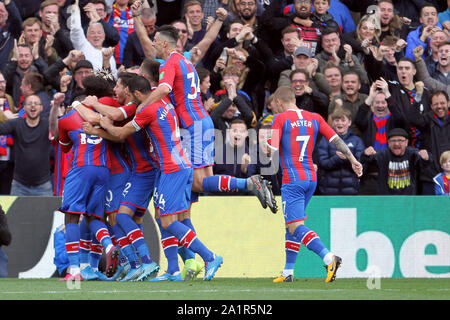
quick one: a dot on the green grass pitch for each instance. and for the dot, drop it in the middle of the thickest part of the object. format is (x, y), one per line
(228, 289)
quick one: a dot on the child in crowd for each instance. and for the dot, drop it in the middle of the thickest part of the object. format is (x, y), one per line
(441, 181)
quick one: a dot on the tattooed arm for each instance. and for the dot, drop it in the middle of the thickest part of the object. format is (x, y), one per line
(342, 147)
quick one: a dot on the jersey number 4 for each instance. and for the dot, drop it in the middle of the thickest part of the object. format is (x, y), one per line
(303, 144)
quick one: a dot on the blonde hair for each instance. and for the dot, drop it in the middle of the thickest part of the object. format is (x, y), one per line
(445, 156)
(371, 18)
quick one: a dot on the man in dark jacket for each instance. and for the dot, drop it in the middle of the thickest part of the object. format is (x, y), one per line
(398, 165)
(5, 240)
(435, 128)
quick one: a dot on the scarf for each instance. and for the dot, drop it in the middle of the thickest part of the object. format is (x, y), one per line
(415, 143)
(380, 136)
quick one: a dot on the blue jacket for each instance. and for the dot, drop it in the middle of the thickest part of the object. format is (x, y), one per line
(413, 41)
(336, 176)
(439, 185)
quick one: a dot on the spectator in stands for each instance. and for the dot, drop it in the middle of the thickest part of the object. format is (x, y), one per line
(335, 171)
(134, 54)
(268, 167)
(367, 34)
(437, 36)
(442, 68)
(310, 27)
(194, 20)
(333, 76)
(307, 98)
(434, 126)
(376, 117)
(341, 55)
(33, 84)
(97, 11)
(7, 112)
(350, 99)
(232, 156)
(421, 36)
(121, 18)
(10, 29)
(444, 17)
(5, 240)
(23, 60)
(31, 150)
(205, 83)
(32, 35)
(423, 74)
(441, 180)
(391, 23)
(90, 44)
(53, 30)
(398, 165)
(233, 103)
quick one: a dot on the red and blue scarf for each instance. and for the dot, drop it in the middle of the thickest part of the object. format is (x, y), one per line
(380, 136)
(5, 141)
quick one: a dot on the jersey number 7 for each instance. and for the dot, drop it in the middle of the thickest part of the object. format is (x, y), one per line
(303, 143)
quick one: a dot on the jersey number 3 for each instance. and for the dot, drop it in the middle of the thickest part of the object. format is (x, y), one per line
(195, 86)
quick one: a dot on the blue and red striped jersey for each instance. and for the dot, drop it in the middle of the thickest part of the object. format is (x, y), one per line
(118, 157)
(88, 150)
(294, 133)
(160, 122)
(61, 167)
(179, 74)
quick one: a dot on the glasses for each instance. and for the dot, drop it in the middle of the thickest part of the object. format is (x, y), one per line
(84, 73)
(33, 104)
(397, 140)
(303, 1)
(299, 81)
(247, 4)
(182, 30)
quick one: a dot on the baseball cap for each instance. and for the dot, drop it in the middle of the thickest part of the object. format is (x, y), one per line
(303, 50)
(83, 64)
(399, 132)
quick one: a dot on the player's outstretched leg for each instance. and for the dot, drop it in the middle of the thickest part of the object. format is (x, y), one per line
(191, 267)
(129, 266)
(292, 246)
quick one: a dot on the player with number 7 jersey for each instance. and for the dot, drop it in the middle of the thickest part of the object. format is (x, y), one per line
(296, 132)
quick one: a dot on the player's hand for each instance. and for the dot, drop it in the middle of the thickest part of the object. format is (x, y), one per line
(90, 101)
(58, 98)
(105, 122)
(357, 168)
(88, 128)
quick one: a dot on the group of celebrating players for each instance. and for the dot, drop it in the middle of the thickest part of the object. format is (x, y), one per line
(152, 141)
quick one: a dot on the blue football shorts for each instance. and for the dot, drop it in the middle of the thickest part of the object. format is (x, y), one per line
(85, 191)
(116, 185)
(295, 197)
(198, 142)
(138, 191)
(173, 191)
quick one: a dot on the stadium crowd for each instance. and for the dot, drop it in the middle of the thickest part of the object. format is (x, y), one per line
(368, 67)
(378, 71)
